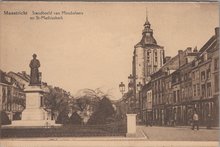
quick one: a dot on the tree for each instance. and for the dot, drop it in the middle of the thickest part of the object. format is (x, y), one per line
(17, 116)
(4, 118)
(85, 103)
(63, 118)
(75, 119)
(57, 101)
(104, 113)
(19, 101)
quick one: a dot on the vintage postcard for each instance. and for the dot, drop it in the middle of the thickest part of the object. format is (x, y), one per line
(109, 74)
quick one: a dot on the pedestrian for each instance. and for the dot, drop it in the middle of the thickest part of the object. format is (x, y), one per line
(149, 121)
(195, 121)
(174, 119)
(209, 121)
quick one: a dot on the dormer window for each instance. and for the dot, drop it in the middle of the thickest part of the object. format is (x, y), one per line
(216, 64)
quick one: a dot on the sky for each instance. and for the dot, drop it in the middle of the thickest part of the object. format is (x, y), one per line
(94, 50)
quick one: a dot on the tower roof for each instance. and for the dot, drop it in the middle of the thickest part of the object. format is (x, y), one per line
(147, 35)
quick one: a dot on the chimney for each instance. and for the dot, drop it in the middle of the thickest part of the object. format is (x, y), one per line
(23, 73)
(181, 56)
(217, 31)
(195, 49)
(189, 49)
(180, 52)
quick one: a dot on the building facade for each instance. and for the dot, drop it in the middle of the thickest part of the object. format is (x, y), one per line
(186, 83)
(12, 96)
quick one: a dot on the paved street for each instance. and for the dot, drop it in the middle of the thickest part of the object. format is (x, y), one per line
(146, 137)
(156, 133)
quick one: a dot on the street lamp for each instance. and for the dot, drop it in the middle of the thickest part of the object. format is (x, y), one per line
(122, 88)
(130, 78)
(130, 86)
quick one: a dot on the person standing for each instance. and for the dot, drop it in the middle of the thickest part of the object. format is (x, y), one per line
(195, 121)
(209, 121)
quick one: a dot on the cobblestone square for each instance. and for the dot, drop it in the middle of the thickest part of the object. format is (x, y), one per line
(178, 133)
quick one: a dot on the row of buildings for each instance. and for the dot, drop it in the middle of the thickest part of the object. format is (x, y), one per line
(12, 95)
(167, 91)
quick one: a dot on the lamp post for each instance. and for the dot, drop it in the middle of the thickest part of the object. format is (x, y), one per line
(130, 78)
(139, 87)
(122, 88)
(132, 88)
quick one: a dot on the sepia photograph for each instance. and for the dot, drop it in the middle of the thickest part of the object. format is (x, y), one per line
(109, 74)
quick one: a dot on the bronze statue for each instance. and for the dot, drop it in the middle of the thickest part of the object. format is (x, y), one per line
(34, 76)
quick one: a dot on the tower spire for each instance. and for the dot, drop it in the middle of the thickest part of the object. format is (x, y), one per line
(147, 32)
(146, 15)
(147, 23)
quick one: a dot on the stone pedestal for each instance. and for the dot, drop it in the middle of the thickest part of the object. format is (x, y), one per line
(34, 114)
(33, 110)
(131, 125)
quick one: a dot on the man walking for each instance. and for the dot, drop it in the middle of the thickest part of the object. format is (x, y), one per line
(195, 121)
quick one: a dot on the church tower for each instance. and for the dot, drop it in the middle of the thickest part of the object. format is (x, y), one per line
(148, 57)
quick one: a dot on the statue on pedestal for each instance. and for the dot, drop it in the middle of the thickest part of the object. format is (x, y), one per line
(35, 75)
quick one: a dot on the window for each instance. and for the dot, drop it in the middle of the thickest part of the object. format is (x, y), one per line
(186, 60)
(216, 64)
(155, 56)
(216, 81)
(209, 90)
(182, 78)
(41, 101)
(178, 95)
(159, 99)
(148, 58)
(174, 96)
(169, 84)
(183, 93)
(198, 89)
(197, 74)
(208, 73)
(193, 75)
(194, 90)
(202, 75)
(156, 59)
(159, 85)
(203, 91)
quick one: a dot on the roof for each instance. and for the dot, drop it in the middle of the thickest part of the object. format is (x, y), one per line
(147, 36)
(20, 76)
(3, 78)
(208, 44)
